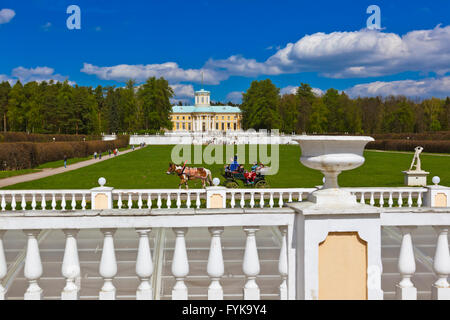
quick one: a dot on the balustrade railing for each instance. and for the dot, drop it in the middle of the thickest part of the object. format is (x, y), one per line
(390, 197)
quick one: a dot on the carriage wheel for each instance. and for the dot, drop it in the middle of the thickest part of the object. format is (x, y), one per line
(262, 184)
(231, 185)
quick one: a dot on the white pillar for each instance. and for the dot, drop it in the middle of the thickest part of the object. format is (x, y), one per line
(405, 289)
(441, 266)
(71, 266)
(283, 264)
(251, 265)
(108, 265)
(215, 266)
(33, 266)
(180, 265)
(3, 265)
(144, 266)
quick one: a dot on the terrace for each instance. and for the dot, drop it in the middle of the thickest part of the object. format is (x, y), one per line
(217, 243)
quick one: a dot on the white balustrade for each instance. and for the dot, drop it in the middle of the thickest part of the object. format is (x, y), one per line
(215, 267)
(108, 265)
(3, 265)
(405, 289)
(144, 265)
(283, 263)
(410, 193)
(441, 265)
(180, 265)
(33, 266)
(250, 265)
(70, 266)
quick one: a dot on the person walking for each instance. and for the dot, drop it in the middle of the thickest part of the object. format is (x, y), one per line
(65, 161)
(95, 155)
(99, 155)
(109, 152)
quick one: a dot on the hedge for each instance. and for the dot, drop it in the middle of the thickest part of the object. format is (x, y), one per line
(26, 155)
(434, 146)
(38, 137)
(439, 135)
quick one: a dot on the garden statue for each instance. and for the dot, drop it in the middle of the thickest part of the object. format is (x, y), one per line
(416, 177)
(416, 159)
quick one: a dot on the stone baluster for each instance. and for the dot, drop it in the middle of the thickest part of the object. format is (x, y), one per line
(23, 203)
(74, 202)
(362, 201)
(108, 265)
(3, 203)
(130, 201)
(381, 199)
(300, 197)
(290, 197)
(13, 202)
(261, 200)
(252, 199)
(53, 201)
(250, 265)
(405, 289)
(390, 201)
(149, 201)
(215, 266)
(178, 203)
(63, 202)
(144, 266)
(169, 201)
(33, 201)
(232, 202)
(180, 265)
(140, 200)
(70, 266)
(283, 264)
(400, 200)
(372, 199)
(188, 200)
(242, 203)
(3, 265)
(271, 202)
(119, 201)
(159, 202)
(280, 200)
(83, 202)
(410, 202)
(419, 200)
(33, 266)
(197, 202)
(441, 265)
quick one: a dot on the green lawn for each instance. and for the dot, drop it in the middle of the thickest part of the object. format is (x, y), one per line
(146, 168)
(7, 174)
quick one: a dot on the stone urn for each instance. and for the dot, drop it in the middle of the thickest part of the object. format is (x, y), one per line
(332, 155)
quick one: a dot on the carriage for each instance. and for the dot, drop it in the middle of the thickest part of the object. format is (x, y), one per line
(232, 178)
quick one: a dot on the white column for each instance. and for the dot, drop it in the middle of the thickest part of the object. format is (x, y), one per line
(441, 266)
(71, 266)
(405, 289)
(215, 266)
(180, 265)
(3, 265)
(33, 266)
(283, 264)
(144, 266)
(108, 265)
(251, 265)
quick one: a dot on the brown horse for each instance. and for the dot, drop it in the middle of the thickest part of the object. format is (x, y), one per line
(187, 174)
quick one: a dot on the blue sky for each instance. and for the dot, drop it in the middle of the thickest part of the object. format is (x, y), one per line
(323, 43)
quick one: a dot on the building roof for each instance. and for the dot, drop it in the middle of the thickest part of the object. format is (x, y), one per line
(210, 109)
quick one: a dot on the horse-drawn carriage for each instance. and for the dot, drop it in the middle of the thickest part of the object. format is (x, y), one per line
(255, 178)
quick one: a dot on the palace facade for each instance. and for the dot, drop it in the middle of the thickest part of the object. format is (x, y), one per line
(203, 117)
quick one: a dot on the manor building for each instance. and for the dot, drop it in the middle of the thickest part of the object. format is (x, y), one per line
(203, 117)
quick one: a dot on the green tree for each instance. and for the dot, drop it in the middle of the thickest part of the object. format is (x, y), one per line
(5, 88)
(319, 117)
(289, 112)
(15, 113)
(306, 98)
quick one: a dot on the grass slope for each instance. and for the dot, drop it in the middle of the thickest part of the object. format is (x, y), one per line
(146, 168)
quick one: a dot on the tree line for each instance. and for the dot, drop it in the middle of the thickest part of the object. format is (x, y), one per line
(334, 112)
(55, 107)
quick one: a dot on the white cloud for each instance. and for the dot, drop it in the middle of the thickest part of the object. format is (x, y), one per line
(183, 90)
(239, 66)
(234, 96)
(169, 70)
(6, 15)
(437, 87)
(293, 90)
(37, 74)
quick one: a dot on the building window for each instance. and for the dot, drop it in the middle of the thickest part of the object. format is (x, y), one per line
(228, 117)
(223, 126)
(178, 125)
(203, 99)
(183, 118)
(235, 117)
(217, 118)
(228, 126)
(203, 117)
(189, 125)
(178, 118)
(189, 118)
(184, 126)
(235, 127)
(223, 117)
(217, 126)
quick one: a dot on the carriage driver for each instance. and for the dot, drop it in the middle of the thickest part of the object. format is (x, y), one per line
(234, 165)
